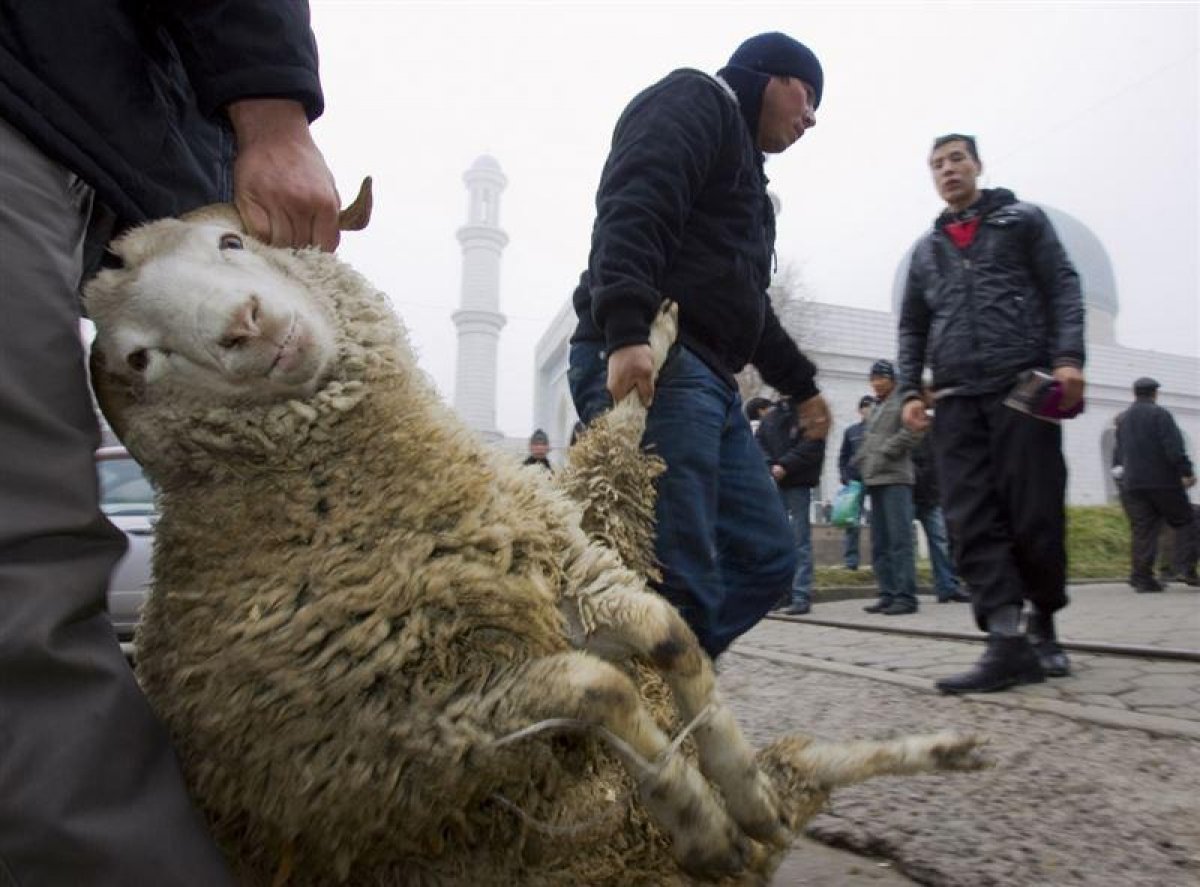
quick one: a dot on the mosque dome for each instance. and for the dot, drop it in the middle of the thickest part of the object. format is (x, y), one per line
(1087, 253)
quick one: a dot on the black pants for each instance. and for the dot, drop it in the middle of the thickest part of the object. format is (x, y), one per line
(1003, 482)
(1148, 510)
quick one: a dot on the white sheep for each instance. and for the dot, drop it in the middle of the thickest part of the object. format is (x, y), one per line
(364, 621)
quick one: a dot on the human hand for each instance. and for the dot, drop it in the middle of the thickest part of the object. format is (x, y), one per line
(913, 415)
(281, 186)
(1071, 380)
(814, 417)
(629, 368)
(1189, 482)
(778, 472)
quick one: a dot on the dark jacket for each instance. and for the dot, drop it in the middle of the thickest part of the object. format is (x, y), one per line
(129, 95)
(782, 440)
(1008, 302)
(1150, 449)
(884, 457)
(852, 439)
(682, 213)
(925, 482)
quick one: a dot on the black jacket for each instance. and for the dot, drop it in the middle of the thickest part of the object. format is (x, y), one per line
(682, 213)
(1150, 449)
(925, 482)
(1010, 301)
(782, 440)
(852, 439)
(129, 94)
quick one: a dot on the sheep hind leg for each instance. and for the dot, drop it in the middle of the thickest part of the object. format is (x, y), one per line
(631, 622)
(705, 841)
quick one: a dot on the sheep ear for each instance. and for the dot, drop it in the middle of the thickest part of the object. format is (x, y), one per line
(356, 216)
(114, 394)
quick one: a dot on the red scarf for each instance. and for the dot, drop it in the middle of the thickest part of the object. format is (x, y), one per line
(962, 233)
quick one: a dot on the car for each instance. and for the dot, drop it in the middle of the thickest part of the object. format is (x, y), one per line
(127, 499)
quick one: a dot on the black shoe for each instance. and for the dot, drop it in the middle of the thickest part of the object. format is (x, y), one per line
(798, 609)
(1052, 658)
(878, 607)
(1193, 580)
(1146, 586)
(898, 608)
(1006, 662)
(781, 604)
(956, 598)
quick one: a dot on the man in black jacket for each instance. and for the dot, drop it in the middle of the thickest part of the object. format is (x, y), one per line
(991, 293)
(113, 114)
(852, 439)
(682, 213)
(1155, 476)
(795, 462)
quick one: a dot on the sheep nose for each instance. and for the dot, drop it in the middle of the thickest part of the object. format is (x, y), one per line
(243, 325)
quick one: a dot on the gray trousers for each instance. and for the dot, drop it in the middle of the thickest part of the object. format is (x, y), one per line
(90, 790)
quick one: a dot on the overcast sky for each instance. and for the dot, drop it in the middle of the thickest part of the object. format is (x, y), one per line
(1088, 107)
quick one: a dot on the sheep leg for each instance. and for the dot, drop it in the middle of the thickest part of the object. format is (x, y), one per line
(628, 623)
(831, 765)
(705, 841)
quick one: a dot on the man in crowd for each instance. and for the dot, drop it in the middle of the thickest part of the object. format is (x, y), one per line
(682, 213)
(852, 439)
(112, 114)
(795, 462)
(539, 450)
(928, 510)
(1156, 474)
(887, 471)
(990, 294)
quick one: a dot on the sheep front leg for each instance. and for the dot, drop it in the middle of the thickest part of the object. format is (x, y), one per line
(705, 841)
(631, 622)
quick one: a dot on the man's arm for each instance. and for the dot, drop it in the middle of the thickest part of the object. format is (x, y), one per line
(1172, 443)
(1059, 284)
(911, 340)
(785, 368)
(844, 457)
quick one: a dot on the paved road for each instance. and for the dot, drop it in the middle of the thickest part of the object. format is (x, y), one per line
(1097, 776)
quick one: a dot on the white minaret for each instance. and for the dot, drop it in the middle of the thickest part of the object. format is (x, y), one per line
(478, 318)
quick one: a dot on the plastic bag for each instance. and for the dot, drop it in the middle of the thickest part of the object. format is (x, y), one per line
(847, 505)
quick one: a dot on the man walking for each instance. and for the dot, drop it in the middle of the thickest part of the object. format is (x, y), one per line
(795, 462)
(990, 294)
(852, 439)
(887, 472)
(682, 213)
(1156, 474)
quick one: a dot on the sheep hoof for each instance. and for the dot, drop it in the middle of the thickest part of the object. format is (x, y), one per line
(714, 860)
(956, 752)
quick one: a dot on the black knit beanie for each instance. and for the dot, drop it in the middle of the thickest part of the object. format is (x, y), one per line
(758, 59)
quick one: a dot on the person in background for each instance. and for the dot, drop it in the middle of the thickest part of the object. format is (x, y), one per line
(887, 472)
(539, 449)
(756, 408)
(683, 214)
(113, 114)
(1155, 476)
(928, 510)
(795, 463)
(991, 295)
(852, 439)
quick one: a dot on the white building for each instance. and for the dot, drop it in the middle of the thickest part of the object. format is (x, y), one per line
(844, 342)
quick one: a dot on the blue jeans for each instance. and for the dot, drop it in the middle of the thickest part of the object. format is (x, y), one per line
(797, 502)
(944, 582)
(723, 538)
(892, 543)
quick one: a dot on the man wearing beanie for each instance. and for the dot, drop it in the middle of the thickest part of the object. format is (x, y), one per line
(682, 214)
(991, 295)
(539, 450)
(1156, 474)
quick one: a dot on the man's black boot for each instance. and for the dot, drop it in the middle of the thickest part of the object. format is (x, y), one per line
(1039, 628)
(1006, 662)
(879, 606)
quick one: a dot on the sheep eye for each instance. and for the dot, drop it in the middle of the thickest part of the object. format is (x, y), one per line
(138, 360)
(229, 241)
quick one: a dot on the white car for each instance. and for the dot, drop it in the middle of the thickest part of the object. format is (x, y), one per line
(127, 498)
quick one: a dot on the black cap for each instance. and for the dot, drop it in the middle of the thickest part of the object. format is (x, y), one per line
(883, 368)
(866, 401)
(782, 56)
(1145, 383)
(539, 437)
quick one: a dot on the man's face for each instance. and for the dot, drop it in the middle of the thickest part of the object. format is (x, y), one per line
(787, 112)
(955, 172)
(539, 450)
(882, 386)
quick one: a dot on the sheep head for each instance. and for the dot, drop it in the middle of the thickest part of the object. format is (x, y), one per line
(202, 312)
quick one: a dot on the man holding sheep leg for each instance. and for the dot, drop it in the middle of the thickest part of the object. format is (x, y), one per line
(683, 214)
(90, 792)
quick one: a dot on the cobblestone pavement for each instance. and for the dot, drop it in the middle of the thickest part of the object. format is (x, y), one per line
(1097, 776)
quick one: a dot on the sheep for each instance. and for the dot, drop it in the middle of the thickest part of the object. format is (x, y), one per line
(386, 655)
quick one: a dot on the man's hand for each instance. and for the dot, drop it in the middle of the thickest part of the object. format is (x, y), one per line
(629, 368)
(778, 472)
(814, 417)
(1071, 380)
(913, 415)
(281, 186)
(1189, 482)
